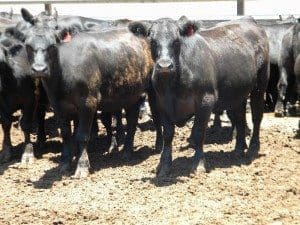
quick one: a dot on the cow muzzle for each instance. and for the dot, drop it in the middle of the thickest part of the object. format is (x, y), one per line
(164, 66)
(39, 70)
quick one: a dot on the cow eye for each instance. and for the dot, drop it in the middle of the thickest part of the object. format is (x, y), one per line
(51, 48)
(15, 49)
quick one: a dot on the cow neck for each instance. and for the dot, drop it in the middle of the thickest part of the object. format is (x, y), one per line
(37, 95)
(51, 83)
(164, 82)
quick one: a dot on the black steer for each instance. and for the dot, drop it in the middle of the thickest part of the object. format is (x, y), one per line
(289, 65)
(19, 91)
(196, 72)
(275, 32)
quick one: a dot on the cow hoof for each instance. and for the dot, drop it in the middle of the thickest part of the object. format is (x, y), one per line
(162, 171)
(238, 156)
(81, 172)
(113, 149)
(64, 167)
(239, 149)
(113, 146)
(4, 157)
(40, 145)
(198, 165)
(279, 114)
(191, 142)
(164, 167)
(5, 154)
(253, 149)
(28, 156)
(127, 155)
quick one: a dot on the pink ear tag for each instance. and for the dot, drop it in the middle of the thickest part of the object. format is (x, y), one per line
(190, 31)
(67, 37)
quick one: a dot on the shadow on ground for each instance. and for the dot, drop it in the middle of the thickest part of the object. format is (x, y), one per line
(181, 166)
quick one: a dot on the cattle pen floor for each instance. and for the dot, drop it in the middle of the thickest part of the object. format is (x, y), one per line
(118, 192)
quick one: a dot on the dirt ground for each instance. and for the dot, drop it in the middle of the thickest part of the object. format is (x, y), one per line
(233, 191)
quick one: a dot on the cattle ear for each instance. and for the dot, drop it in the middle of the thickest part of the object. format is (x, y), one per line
(55, 14)
(61, 35)
(11, 13)
(139, 28)
(27, 16)
(187, 28)
(183, 19)
(14, 32)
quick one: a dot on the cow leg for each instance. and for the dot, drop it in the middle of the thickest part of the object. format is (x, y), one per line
(132, 115)
(282, 86)
(120, 135)
(26, 125)
(143, 108)
(66, 155)
(272, 91)
(165, 163)
(257, 105)
(200, 125)
(5, 154)
(230, 115)
(239, 119)
(191, 138)
(113, 137)
(95, 128)
(106, 119)
(217, 120)
(40, 115)
(291, 94)
(86, 117)
(156, 121)
(41, 135)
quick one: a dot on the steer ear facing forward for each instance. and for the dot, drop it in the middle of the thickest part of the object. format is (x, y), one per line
(139, 28)
(14, 32)
(187, 28)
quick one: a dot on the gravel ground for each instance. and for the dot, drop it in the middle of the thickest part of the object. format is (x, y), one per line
(233, 191)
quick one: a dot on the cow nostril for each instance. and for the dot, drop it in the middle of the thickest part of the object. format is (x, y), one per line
(171, 66)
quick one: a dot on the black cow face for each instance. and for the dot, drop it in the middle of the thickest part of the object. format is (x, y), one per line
(41, 50)
(166, 37)
(13, 56)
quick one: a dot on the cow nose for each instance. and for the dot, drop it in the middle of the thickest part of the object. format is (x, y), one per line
(39, 68)
(165, 64)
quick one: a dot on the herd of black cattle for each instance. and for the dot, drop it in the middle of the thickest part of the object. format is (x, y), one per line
(79, 66)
